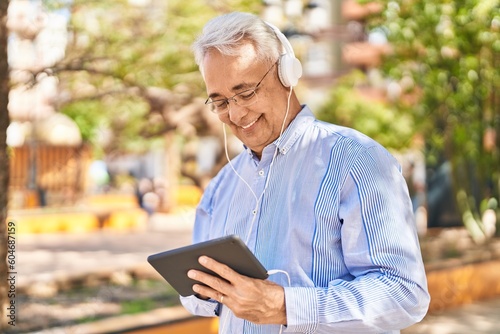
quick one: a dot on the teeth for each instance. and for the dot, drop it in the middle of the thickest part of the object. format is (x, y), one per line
(249, 125)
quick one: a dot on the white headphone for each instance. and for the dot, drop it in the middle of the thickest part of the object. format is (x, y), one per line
(289, 67)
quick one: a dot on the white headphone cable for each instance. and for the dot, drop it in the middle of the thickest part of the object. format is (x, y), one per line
(258, 199)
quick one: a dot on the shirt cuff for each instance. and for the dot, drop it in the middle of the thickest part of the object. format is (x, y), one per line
(200, 307)
(301, 309)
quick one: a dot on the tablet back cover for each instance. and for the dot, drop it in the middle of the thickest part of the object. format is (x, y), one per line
(174, 264)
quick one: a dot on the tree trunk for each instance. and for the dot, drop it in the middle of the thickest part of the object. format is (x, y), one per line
(4, 164)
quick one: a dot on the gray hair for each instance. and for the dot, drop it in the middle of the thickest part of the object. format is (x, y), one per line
(227, 32)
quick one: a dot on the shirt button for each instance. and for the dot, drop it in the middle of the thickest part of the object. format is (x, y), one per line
(261, 172)
(283, 150)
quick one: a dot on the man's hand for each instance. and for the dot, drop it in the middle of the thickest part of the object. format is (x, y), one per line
(256, 300)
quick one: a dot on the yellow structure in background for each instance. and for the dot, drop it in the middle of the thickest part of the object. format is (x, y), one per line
(187, 195)
(116, 212)
(78, 222)
(55, 223)
(198, 325)
(115, 201)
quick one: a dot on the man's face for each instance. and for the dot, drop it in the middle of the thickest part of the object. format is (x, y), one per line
(258, 124)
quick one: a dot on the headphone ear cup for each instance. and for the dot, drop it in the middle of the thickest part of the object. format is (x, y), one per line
(282, 71)
(289, 70)
(289, 67)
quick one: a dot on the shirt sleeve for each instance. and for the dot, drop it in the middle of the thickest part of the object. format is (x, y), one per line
(200, 307)
(380, 247)
(194, 305)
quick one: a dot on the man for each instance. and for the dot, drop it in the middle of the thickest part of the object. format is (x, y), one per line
(324, 206)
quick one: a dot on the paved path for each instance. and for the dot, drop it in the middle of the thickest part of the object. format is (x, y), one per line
(41, 257)
(480, 317)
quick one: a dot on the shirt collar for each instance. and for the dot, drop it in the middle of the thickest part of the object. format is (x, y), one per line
(294, 130)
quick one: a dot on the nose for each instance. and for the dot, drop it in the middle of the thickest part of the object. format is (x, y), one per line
(236, 112)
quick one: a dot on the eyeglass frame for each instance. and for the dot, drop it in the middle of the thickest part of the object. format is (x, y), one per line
(233, 98)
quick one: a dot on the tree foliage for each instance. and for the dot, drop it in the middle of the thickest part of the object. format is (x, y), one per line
(450, 52)
(128, 76)
(116, 53)
(347, 106)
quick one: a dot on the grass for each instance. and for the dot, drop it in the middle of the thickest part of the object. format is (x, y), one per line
(138, 306)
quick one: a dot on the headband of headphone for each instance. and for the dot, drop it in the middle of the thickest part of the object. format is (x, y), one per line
(289, 67)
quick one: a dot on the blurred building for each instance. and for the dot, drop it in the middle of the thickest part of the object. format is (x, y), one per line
(48, 160)
(331, 39)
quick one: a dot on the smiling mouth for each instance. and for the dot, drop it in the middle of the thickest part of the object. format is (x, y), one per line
(249, 125)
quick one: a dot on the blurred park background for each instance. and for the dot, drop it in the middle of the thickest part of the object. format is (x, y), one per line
(106, 144)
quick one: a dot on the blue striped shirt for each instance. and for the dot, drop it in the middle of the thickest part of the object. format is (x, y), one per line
(336, 216)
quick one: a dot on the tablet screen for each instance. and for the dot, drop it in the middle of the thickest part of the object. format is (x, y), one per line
(174, 264)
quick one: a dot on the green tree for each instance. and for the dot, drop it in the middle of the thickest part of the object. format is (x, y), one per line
(129, 72)
(125, 63)
(450, 52)
(379, 120)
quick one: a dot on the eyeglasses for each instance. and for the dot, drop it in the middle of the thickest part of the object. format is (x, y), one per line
(243, 99)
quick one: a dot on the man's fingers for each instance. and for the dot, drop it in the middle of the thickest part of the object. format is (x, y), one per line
(221, 269)
(214, 285)
(206, 291)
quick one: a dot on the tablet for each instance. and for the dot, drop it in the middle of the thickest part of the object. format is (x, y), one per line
(174, 264)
